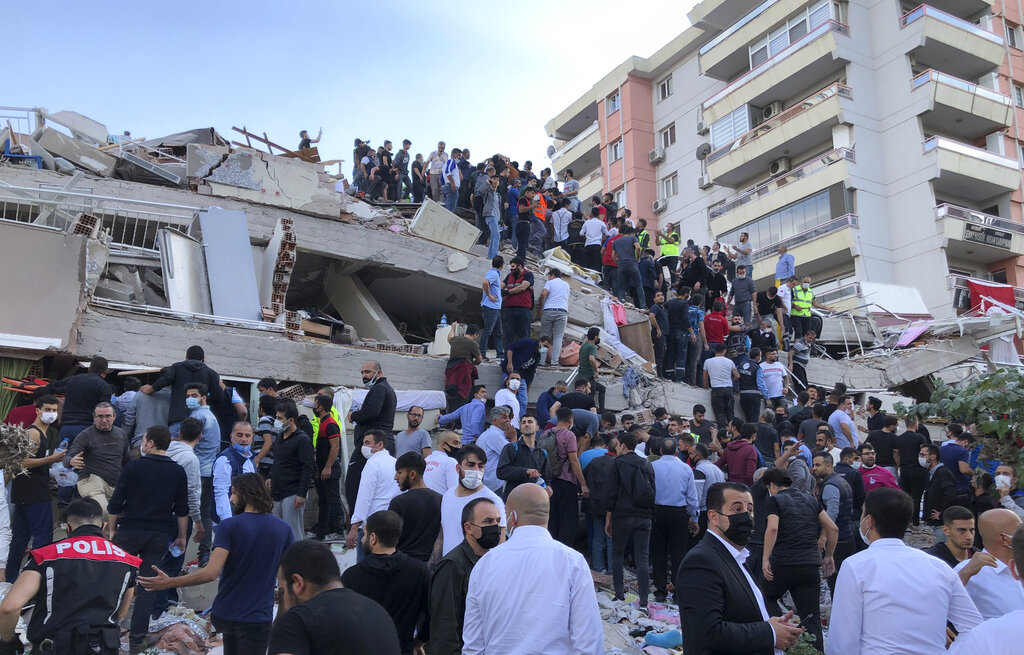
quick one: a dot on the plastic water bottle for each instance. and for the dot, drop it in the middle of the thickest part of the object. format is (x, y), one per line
(174, 550)
(543, 485)
(444, 320)
(63, 445)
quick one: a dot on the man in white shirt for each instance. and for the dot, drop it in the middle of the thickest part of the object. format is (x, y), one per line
(440, 474)
(435, 164)
(450, 177)
(776, 375)
(872, 611)
(532, 594)
(560, 219)
(719, 372)
(786, 295)
(993, 588)
(1003, 635)
(377, 486)
(494, 438)
(593, 233)
(234, 460)
(554, 303)
(471, 467)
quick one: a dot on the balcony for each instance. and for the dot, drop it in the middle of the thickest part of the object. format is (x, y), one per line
(958, 285)
(798, 129)
(963, 8)
(581, 153)
(719, 14)
(727, 55)
(833, 227)
(847, 296)
(977, 237)
(975, 174)
(950, 44)
(804, 180)
(811, 57)
(958, 107)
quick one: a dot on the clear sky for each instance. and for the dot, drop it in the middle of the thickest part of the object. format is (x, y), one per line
(483, 75)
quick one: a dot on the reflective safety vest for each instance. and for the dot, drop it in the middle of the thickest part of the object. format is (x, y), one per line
(644, 238)
(802, 301)
(669, 249)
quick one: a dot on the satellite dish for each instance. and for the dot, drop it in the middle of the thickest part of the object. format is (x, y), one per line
(551, 151)
(703, 150)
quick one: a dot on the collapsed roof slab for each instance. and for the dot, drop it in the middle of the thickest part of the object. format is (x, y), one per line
(357, 306)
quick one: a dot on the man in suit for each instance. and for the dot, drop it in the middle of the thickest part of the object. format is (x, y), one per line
(940, 492)
(721, 608)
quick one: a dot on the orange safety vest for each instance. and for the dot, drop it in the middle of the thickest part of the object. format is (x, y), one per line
(541, 211)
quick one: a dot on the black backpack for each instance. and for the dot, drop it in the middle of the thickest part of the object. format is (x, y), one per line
(641, 488)
(548, 442)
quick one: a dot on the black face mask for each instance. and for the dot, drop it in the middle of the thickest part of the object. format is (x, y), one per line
(489, 537)
(740, 527)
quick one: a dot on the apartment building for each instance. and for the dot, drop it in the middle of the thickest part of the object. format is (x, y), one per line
(879, 140)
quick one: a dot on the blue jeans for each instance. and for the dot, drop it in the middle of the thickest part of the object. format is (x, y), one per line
(678, 353)
(451, 197)
(492, 324)
(600, 544)
(629, 277)
(33, 521)
(516, 323)
(492, 225)
(69, 432)
(692, 359)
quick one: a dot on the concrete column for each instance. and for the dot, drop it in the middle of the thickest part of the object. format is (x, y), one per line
(357, 307)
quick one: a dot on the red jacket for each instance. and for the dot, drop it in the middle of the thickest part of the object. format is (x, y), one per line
(716, 327)
(740, 461)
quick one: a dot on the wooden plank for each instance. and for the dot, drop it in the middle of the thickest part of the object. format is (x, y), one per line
(269, 143)
(266, 140)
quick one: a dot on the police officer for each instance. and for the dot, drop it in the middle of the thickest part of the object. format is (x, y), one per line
(90, 583)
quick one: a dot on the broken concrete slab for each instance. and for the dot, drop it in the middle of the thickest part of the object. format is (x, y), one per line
(81, 126)
(77, 152)
(457, 262)
(435, 223)
(259, 177)
(357, 306)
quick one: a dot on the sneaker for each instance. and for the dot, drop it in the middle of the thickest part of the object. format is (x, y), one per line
(660, 598)
(335, 536)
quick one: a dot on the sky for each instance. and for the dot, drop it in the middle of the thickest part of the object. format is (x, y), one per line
(482, 75)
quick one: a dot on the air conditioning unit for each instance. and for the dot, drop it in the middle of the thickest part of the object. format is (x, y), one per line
(771, 111)
(778, 166)
(702, 127)
(659, 205)
(656, 155)
(704, 181)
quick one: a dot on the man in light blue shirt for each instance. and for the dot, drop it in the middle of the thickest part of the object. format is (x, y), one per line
(490, 307)
(843, 426)
(206, 452)
(471, 415)
(785, 268)
(675, 511)
(493, 441)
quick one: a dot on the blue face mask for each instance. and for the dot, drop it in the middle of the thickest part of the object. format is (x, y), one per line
(245, 450)
(192, 403)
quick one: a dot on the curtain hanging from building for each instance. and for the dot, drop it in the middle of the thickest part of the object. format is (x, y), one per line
(11, 368)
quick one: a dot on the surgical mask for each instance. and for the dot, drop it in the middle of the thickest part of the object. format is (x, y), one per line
(863, 536)
(50, 417)
(489, 537)
(741, 525)
(369, 383)
(472, 479)
(245, 450)
(1002, 481)
(513, 385)
(512, 518)
(741, 275)
(856, 465)
(366, 451)
(923, 461)
(805, 286)
(192, 403)
(543, 354)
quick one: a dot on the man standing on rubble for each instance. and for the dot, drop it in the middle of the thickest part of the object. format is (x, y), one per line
(517, 305)
(451, 178)
(401, 164)
(377, 412)
(490, 306)
(435, 165)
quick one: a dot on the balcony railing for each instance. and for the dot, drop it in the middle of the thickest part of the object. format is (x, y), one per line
(980, 218)
(774, 184)
(851, 290)
(931, 75)
(785, 53)
(836, 89)
(572, 142)
(836, 224)
(941, 142)
(958, 284)
(735, 27)
(949, 19)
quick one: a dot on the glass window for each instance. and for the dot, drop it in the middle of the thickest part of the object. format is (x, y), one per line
(612, 103)
(759, 53)
(1018, 95)
(668, 136)
(615, 151)
(787, 222)
(819, 13)
(665, 88)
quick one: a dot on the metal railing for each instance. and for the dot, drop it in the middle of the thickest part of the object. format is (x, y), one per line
(946, 79)
(188, 317)
(949, 19)
(785, 53)
(851, 290)
(774, 184)
(735, 27)
(834, 225)
(958, 284)
(943, 143)
(575, 140)
(980, 218)
(831, 91)
(24, 120)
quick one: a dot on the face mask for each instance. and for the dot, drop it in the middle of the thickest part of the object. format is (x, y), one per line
(862, 535)
(366, 451)
(192, 403)
(278, 425)
(856, 465)
(1001, 480)
(369, 383)
(543, 354)
(805, 286)
(50, 417)
(741, 275)
(597, 341)
(472, 479)
(513, 385)
(489, 536)
(923, 461)
(512, 518)
(740, 527)
(245, 450)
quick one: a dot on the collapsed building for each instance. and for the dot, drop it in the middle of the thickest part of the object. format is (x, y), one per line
(135, 250)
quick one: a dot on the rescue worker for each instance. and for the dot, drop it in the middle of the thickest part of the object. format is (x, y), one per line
(89, 588)
(803, 300)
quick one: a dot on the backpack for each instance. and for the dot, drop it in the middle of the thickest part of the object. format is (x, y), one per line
(548, 442)
(641, 491)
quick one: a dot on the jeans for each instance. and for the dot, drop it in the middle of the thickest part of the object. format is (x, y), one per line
(243, 638)
(669, 539)
(844, 549)
(659, 353)
(495, 236)
(750, 403)
(628, 279)
(913, 480)
(638, 530)
(692, 355)
(552, 324)
(803, 582)
(69, 432)
(564, 511)
(678, 348)
(743, 309)
(33, 521)
(170, 565)
(801, 324)
(600, 544)
(286, 511)
(492, 326)
(206, 510)
(150, 546)
(516, 323)
(523, 229)
(592, 257)
(328, 500)
(417, 192)
(721, 405)
(403, 186)
(610, 278)
(451, 197)
(800, 375)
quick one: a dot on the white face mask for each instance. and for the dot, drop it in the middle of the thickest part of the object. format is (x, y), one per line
(923, 461)
(50, 417)
(513, 385)
(366, 451)
(543, 354)
(1002, 481)
(862, 535)
(472, 479)
(856, 465)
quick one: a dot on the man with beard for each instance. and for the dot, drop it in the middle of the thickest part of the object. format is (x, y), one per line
(413, 439)
(246, 550)
(377, 412)
(440, 474)
(471, 462)
(418, 505)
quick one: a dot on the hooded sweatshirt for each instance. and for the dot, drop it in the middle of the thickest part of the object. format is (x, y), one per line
(739, 461)
(400, 584)
(183, 373)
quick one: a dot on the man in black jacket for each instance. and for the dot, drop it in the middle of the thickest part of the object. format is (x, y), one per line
(630, 508)
(82, 393)
(376, 413)
(721, 609)
(845, 468)
(523, 461)
(180, 374)
(450, 583)
(940, 492)
(293, 468)
(598, 474)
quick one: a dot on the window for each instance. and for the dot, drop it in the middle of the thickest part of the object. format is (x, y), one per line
(1018, 95)
(789, 32)
(612, 103)
(784, 223)
(665, 88)
(620, 197)
(615, 151)
(1013, 36)
(668, 136)
(730, 127)
(1020, 154)
(670, 185)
